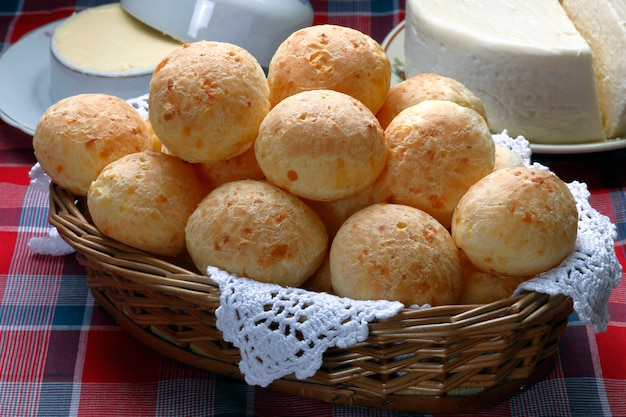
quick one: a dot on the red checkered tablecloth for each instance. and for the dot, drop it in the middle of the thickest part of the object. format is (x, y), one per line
(61, 354)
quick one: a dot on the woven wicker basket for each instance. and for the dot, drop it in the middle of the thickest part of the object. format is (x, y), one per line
(447, 359)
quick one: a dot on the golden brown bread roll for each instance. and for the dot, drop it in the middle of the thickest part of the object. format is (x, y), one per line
(330, 57)
(156, 142)
(516, 221)
(321, 145)
(395, 252)
(505, 157)
(144, 199)
(436, 150)
(423, 87)
(78, 136)
(207, 100)
(320, 280)
(334, 213)
(482, 288)
(241, 167)
(256, 230)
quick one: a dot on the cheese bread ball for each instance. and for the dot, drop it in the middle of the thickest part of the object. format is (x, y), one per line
(241, 167)
(427, 86)
(78, 136)
(156, 142)
(144, 200)
(505, 157)
(320, 279)
(437, 150)
(334, 213)
(256, 230)
(482, 288)
(321, 145)
(334, 58)
(516, 221)
(207, 100)
(395, 252)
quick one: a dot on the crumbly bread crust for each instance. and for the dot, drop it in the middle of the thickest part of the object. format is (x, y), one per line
(436, 150)
(78, 136)
(256, 230)
(427, 86)
(144, 200)
(321, 145)
(207, 100)
(395, 252)
(516, 221)
(330, 57)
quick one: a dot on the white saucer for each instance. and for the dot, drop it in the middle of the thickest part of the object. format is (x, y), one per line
(25, 70)
(394, 46)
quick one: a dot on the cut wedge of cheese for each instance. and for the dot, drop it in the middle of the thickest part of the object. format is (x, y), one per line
(603, 24)
(524, 59)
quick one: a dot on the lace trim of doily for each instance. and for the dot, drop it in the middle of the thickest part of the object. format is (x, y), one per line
(140, 104)
(281, 331)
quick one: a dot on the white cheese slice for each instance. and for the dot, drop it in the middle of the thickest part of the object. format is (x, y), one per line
(107, 38)
(524, 58)
(603, 24)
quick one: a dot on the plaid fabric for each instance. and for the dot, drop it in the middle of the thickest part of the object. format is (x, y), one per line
(60, 354)
(376, 17)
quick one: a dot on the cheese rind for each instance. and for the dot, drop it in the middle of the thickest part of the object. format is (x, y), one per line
(524, 59)
(603, 24)
(106, 38)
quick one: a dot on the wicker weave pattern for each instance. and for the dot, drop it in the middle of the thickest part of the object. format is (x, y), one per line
(437, 360)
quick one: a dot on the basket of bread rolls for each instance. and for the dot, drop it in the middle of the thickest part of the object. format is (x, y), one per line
(321, 177)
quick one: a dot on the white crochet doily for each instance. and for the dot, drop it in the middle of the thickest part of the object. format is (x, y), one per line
(282, 331)
(141, 104)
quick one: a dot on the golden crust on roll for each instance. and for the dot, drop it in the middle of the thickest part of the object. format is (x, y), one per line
(144, 199)
(482, 288)
(207, 100)
(156, 142)
(321, 145)
(423, 87)
(320, 280)
(256, 230)
(436, 150)
(334, 213)
(241, 167)
(395, 252)
(78, 136)
(330, 57)
(504, 158)
(516, 221)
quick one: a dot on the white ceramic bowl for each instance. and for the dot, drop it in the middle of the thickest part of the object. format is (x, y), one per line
(259, 26)
(126, 79)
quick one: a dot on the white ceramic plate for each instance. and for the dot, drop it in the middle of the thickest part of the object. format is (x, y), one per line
(394, 46)
(25, 72)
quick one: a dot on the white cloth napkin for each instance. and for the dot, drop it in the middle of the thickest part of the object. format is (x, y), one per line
(52, 243)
